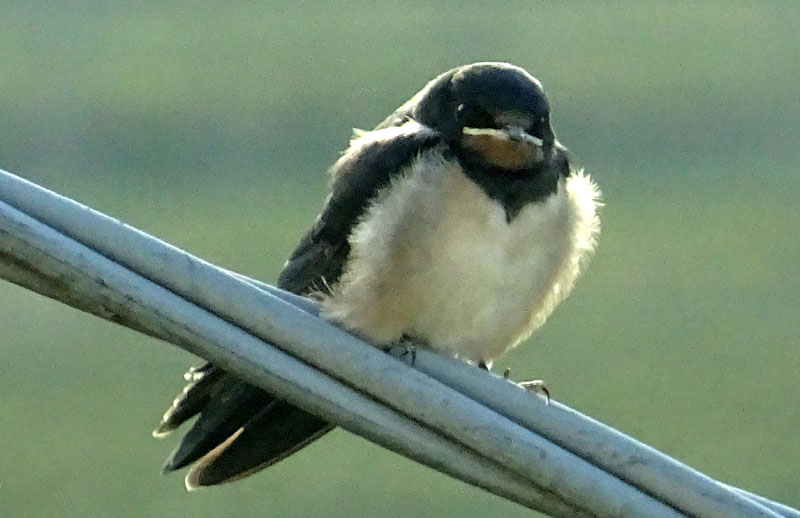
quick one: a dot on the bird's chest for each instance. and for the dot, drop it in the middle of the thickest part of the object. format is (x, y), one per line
(437, 260)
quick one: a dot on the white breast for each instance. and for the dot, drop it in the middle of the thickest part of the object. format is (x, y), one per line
(435, 259)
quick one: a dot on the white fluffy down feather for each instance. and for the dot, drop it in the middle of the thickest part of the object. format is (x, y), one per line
(435, 259)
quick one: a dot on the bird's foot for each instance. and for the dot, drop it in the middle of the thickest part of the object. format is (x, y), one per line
(408, 353)
(536, 387)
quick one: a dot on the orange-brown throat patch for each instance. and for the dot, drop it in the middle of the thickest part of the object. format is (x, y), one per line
(502, 152)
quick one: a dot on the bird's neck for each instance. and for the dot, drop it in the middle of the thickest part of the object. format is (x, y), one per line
(512, 188)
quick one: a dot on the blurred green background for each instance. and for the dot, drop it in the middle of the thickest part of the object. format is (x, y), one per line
(210, 125)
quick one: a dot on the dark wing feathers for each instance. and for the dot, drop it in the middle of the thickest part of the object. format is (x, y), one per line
(358, 176)
(202, 381)
(273, 433)
(242, 429)
(221, 416)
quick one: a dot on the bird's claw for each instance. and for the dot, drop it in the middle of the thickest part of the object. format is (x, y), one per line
(536, 387)
(409, 350)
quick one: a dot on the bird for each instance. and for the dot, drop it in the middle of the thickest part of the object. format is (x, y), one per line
(457, 223)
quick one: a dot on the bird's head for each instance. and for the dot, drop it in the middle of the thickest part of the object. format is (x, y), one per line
(494, 113)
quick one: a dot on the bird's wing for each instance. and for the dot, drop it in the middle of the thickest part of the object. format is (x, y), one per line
(242, 429)
(372, 160)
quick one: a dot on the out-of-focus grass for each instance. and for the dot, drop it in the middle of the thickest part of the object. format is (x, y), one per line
(192, 86)
(210, 125)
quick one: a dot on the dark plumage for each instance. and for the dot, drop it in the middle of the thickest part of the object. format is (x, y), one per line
(242, 429)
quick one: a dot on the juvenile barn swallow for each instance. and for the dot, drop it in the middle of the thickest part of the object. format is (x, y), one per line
(458, 223)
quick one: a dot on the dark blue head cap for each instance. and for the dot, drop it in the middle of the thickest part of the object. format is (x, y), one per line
(486, 89)
(499, 87)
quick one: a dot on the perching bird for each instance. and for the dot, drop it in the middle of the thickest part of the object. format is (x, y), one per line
(458, 223)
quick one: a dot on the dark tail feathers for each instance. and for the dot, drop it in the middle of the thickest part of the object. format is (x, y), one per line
(241, 429)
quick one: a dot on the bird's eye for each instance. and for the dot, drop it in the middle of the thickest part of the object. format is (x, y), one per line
(460, 112)
(473, 116)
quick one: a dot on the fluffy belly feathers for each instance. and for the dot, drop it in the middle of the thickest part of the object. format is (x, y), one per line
(434, 259)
